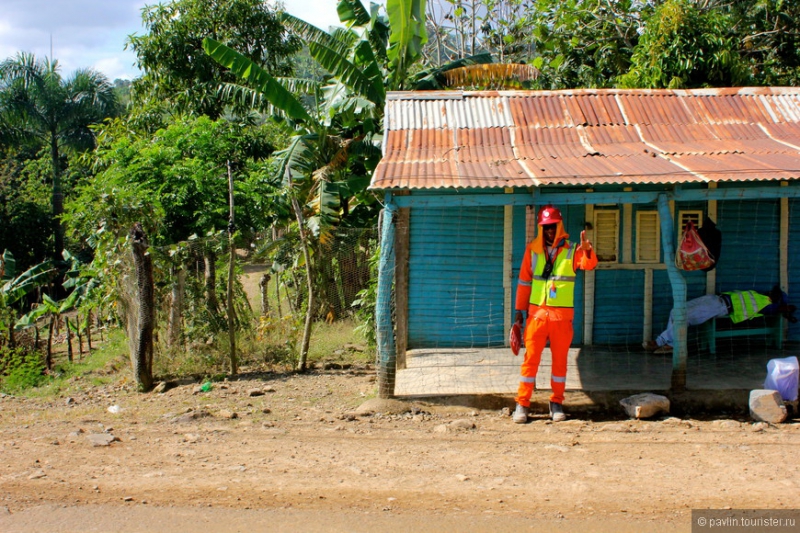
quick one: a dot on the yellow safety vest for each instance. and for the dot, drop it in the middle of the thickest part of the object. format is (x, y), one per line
(746, 305)
(558, 289)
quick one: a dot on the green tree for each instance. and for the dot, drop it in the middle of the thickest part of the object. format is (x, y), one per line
(584, 43)
(25, 210)
(38, 105)
(175, 183)
(13, 287)
(171, 55)
(769, 38)
(684, 46)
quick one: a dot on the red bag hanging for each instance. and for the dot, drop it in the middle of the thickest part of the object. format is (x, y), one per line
(515, 338)
(692, 254)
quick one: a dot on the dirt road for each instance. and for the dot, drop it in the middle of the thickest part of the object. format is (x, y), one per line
(292, 452)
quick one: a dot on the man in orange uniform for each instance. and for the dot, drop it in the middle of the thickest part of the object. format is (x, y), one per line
(546, 291)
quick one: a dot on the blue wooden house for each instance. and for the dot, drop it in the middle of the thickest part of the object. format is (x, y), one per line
(464, 173)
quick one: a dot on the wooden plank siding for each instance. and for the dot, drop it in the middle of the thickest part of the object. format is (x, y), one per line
(619, 306)
(750, 229)
(750, 245)
(455, 277)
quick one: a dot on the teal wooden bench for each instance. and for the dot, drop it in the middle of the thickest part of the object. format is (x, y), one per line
(769, 327)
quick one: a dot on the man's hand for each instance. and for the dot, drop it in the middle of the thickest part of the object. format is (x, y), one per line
(586, 244)
(519, 319)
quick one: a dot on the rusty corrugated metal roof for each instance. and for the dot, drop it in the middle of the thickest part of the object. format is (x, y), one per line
(480, 139)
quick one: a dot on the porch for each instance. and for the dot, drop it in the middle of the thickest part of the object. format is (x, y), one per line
(737, 366)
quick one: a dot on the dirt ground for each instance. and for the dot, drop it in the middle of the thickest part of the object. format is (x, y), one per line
(283, 452)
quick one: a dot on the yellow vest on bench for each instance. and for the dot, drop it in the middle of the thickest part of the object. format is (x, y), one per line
(746, 305)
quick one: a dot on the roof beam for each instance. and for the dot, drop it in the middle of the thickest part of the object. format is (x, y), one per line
(582, 197)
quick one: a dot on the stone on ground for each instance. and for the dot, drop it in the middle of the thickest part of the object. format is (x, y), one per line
(767, 406)
(101, 439)
(645, 405)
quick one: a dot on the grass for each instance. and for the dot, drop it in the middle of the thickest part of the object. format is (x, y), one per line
(338, 342)
(275, 347)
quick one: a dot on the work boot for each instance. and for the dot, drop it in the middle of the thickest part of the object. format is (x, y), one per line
(520, 415)
(557, 412)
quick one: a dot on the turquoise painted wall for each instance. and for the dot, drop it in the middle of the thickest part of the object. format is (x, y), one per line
(455, 277)
(456, 268)
(750, 245)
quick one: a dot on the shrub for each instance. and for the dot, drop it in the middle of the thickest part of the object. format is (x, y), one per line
(20, 369)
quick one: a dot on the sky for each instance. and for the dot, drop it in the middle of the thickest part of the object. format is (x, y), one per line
(92, 33)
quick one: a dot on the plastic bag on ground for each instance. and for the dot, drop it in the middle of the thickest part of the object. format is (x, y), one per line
(782, 376)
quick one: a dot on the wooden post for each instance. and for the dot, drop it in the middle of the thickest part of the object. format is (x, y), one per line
(231, 276)
(48, 359)
(784, 256)
(387, 355)
(69, 338)
(401, 283)
(589, 286)
(89, 331)
(263, 285)
(508, 256)
(79, 333)
(278, 295)
(174, 321)
(711, 275)
(679, 348)
(647, 325)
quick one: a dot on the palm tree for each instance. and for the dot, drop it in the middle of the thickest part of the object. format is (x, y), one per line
(38, 105)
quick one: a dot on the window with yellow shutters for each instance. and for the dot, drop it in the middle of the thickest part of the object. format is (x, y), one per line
(648, 237)
(606, 235)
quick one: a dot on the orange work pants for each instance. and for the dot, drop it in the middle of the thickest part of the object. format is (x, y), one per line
(545, 324)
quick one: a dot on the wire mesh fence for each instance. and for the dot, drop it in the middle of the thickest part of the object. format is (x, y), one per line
(269, 289)
(451, 280)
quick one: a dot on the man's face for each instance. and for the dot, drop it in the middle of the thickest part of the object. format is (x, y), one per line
(549, 232)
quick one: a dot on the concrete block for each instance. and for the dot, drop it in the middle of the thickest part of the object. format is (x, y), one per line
(767, 406)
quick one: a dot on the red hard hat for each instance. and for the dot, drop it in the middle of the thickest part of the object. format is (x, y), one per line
(515, 338)
(549, 215)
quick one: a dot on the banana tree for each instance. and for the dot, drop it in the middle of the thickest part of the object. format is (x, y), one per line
(51, 309)
(326, 166)
(81, 281)
(334, 150)
(14, 287)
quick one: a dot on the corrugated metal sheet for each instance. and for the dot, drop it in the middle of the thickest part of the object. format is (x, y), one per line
(492, 139)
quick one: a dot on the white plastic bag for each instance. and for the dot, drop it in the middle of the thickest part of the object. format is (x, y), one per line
(782, 376)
